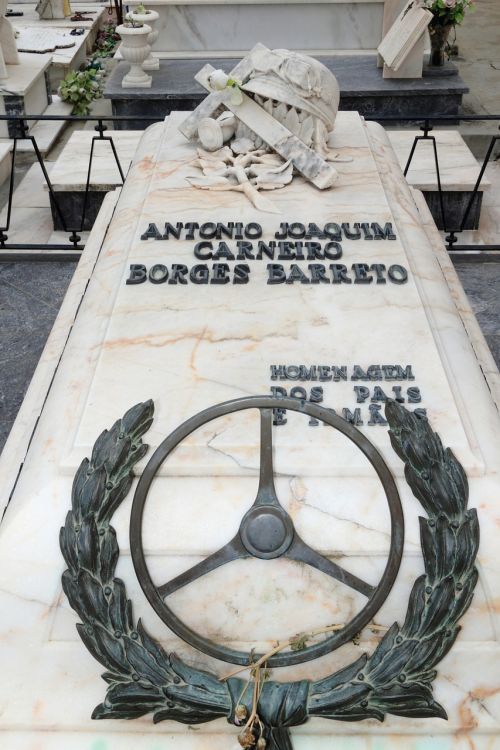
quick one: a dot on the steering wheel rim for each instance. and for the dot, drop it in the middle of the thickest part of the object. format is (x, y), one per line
(332, 641)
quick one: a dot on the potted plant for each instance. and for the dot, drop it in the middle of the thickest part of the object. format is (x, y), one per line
(144, 15)
(134, 49)
(446, 14)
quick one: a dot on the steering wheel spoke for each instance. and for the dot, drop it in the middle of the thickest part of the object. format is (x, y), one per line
(266, 493)
(301, 552)
(233, 550)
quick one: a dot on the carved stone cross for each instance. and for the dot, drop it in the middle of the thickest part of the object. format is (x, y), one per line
(305, 160)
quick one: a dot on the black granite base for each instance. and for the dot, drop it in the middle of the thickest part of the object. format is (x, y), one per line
(15, 105)
(454, 204)
(71, 207)
(362, 88)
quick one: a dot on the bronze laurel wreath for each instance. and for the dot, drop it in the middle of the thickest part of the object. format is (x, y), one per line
(396, 679)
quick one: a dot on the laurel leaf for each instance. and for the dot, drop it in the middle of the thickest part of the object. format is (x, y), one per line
(102, 646)
(88, 544)
(138, 419)
(449, 491)
(78, 484)
(467, 543)
(415, 609)
(384, 646)
(187, 714)
(72, 590)
(429, 548)
(357, 713)
(409, 700)
(393, 664)
(446, 545)
(108, 555)
(134, 694)
(438, 605)
(112, 677)
(329, 703)
(104, 446)
(196, 678)
(144, 663)
(153, 648)
(92, 595)
(117, 606)
(464, 598)
(342, 676)
(67, 543)
(115, 497)
(91, 488)
(430, 652)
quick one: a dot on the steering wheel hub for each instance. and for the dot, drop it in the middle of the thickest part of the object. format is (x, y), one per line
(266, 532)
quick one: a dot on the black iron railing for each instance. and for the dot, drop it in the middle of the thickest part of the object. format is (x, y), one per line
(426, 126)
(74, 244)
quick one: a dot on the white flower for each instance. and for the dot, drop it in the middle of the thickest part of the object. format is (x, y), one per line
(236, 96)
(218, 80)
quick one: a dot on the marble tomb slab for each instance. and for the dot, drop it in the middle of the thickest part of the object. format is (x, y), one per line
(188, 346)
(252, 339)
(214, 29)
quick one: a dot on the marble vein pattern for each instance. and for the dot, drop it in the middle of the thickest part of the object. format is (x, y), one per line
(188, 348)
(194, 29)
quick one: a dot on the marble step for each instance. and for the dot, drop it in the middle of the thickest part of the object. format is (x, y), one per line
(47, 132)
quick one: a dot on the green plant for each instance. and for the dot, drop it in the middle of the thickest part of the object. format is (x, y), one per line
(141, 9)
(106, 41)
(131, 23)
(81, 88)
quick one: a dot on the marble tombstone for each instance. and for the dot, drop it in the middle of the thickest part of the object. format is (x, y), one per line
(8, 48)
(190, 294)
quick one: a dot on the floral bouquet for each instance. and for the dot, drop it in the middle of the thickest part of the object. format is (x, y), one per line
(448, 12)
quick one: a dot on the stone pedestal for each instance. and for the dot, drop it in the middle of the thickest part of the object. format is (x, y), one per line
(362, 88)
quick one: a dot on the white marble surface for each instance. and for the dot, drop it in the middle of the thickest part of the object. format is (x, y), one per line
(200, 29)
(50, 684)
(22, 77)
(33, 39)
(214, 361)
(71, 167)
(458, 167)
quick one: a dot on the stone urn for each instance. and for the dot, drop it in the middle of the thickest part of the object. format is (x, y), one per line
(439, 34)
(135, 49)
(150, 18)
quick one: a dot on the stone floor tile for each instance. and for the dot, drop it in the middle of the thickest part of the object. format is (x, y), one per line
(29, 225)
(30, 297)
(31, 192)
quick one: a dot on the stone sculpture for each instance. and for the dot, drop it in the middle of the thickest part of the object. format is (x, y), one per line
(49, 9)
(284, 102)
(8, 49)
